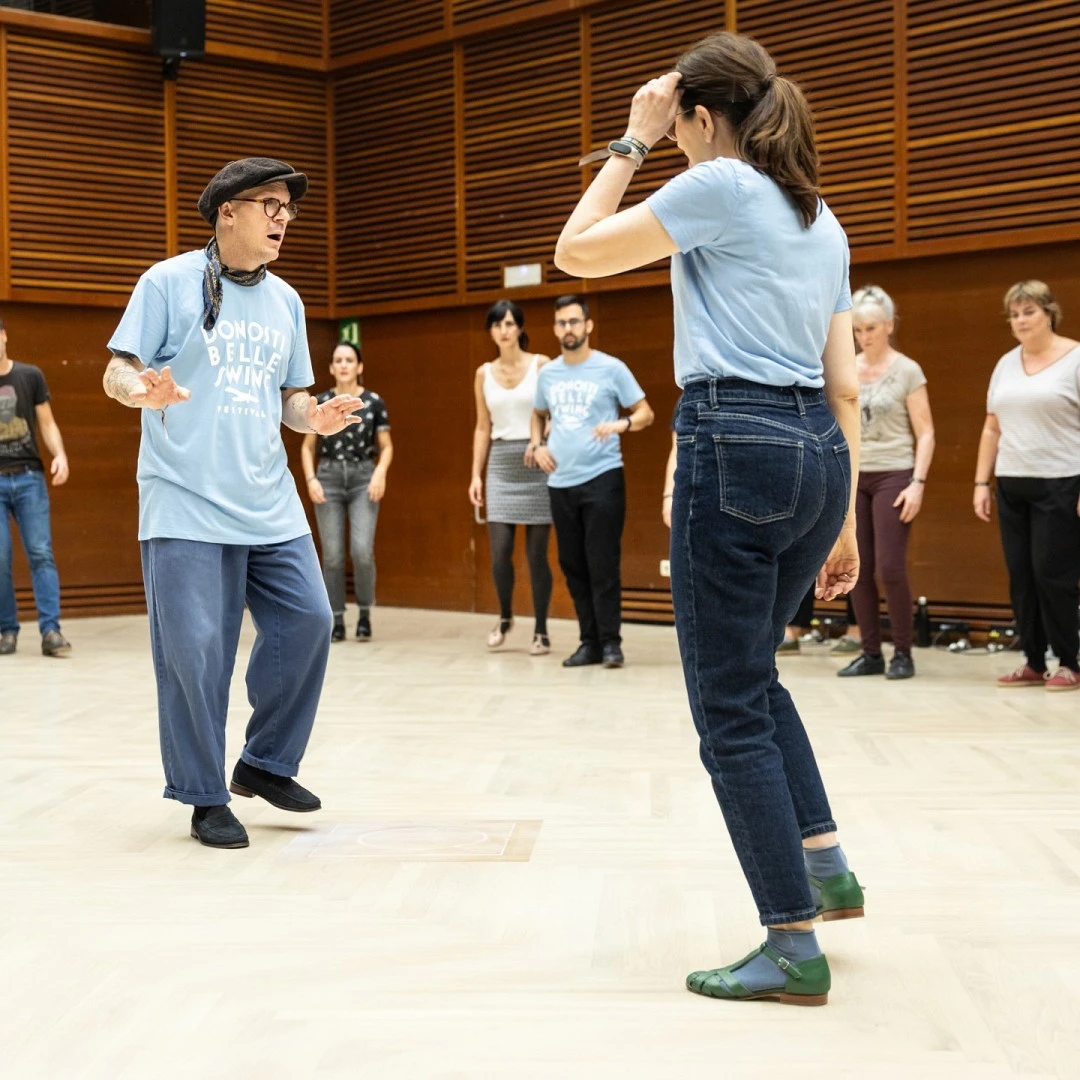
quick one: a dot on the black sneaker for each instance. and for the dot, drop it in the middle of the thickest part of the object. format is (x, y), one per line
(280, 791)
(54, 644)
(901, 666)
(216, 826)
(363, 628)
(612, 656)
(864, 665)
(338, 633)
(8, 644)
(586, 654)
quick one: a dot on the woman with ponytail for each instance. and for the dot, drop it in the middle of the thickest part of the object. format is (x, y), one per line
(768, 437)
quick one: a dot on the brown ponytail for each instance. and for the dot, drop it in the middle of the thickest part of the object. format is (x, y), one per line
(772, 124)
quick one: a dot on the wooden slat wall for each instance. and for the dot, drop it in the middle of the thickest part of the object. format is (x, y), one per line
(355, 27)
(224, 113)
(395, 181)
(522, 139)
(841, 54)
(994, 123)
(85, 164)
(286, 26)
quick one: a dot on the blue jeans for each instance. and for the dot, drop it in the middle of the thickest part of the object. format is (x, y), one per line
(345, 485)
(195, 594)
(24, 497)
(761, 490)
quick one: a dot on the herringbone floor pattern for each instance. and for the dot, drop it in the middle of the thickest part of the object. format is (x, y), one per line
(562, 865)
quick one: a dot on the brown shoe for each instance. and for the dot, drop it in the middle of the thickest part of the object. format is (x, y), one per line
(54, 644)
(1025, 676)
(8, 643)
(1064, 679)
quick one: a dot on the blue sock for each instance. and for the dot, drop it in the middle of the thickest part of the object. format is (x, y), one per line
(824, 863)
(762, 974)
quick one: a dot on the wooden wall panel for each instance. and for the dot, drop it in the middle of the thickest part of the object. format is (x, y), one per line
(841, 54)
(225, 113)
(355, 27)
(522, 140)
(294, 27)
(994, 123)
(630, 44)
(464, 12)
(85, 165)
(395, 181)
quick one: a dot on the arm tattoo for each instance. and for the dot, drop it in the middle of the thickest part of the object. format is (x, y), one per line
(121, 377)
(294, 413)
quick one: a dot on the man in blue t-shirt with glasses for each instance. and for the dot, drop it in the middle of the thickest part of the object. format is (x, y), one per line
(582, 392)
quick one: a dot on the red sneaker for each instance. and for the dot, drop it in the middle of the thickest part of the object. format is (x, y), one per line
(1064, 679)
(1025, 676)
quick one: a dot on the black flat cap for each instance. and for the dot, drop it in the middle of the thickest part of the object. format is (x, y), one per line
(248, 173)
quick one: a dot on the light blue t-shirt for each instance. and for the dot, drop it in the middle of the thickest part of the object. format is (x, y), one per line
(214, 468)
(580, 396)
(754, 291)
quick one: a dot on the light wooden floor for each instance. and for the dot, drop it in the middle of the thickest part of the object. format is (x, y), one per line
(413, 930)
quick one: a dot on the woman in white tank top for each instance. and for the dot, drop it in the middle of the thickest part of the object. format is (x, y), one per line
(517, 492)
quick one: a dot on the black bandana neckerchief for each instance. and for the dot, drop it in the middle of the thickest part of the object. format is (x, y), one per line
(213, 272)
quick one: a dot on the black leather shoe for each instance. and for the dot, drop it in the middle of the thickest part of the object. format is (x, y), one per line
(338, 633)
(280, 791)
(8, 644)
(54, 644)
(864, 665)
(586, 654)
(613, 656)
(901, 666)
(363, 628)
(216, 826)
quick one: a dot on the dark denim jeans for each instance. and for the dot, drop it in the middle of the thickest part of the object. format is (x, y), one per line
(24, 497)
(761, 490)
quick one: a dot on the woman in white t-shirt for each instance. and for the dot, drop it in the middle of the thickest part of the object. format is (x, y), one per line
(1031, 442)
(897, 448)
(517, 493)
(768, 434)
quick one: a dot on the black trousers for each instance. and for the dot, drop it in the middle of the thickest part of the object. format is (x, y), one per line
(1040, 532)
(588, 526)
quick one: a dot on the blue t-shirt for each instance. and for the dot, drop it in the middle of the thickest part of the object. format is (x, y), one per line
(580, 396)
(214, 468)
(754, 291)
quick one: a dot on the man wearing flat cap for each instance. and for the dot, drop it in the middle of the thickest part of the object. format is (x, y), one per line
(213, 349)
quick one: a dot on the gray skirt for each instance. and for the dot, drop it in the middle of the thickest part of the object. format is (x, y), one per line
(516, 495)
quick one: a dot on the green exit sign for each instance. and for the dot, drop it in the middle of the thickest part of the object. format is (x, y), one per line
(349, 330)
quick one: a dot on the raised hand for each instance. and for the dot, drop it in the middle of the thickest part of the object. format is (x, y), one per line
(157, 389)
(334, 415)
(654, 108)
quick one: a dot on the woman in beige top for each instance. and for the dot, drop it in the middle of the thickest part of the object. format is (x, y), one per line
(897, 447)
(1031, 440)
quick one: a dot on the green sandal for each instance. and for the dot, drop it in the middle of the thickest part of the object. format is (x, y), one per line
(841, 897)
(805, 984)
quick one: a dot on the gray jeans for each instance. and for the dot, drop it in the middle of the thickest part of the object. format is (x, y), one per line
(345, 485)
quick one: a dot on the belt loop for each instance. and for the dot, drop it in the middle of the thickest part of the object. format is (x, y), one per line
(714, 399)
(799, 400)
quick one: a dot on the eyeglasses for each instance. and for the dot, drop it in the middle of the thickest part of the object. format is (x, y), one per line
(670, 133)
(569, 324)
(273, 207)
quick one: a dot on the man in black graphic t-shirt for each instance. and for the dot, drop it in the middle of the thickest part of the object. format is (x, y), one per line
(25, 410)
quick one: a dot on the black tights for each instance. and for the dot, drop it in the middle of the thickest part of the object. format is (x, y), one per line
(502, 568)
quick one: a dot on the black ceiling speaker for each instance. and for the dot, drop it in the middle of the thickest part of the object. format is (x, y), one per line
(179, 32)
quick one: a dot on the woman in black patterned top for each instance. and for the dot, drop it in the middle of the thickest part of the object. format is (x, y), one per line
(350, 480)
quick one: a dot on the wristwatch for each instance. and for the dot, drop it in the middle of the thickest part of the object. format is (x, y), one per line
(619, 148)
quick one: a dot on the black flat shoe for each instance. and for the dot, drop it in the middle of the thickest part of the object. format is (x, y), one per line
(901, 666)
(613, 657)
(363, 628)
(864, 665)
(280, 791)
(586, 654)
(338, 633)
(216, 826)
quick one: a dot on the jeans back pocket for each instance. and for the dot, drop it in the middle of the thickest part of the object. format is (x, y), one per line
(760, 476)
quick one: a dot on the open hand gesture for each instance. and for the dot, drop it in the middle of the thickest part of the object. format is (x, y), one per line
(157, 389)
(334, 415)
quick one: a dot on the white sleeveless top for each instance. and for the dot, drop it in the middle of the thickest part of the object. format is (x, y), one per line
(511, 410)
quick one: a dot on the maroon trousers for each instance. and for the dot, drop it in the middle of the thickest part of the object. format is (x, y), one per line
(883, 540)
